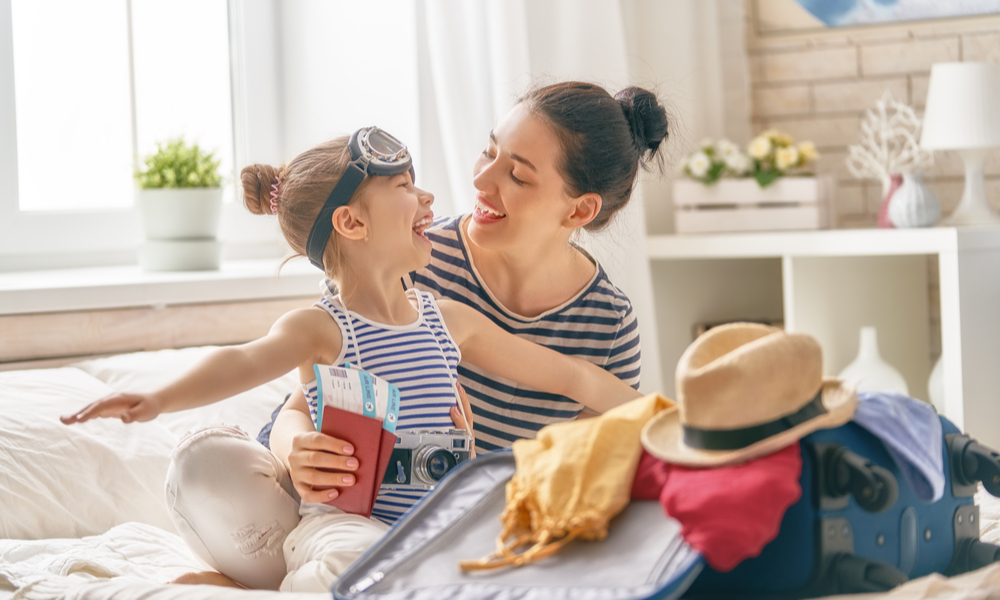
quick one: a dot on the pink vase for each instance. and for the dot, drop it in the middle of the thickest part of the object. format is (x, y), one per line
(883, 220)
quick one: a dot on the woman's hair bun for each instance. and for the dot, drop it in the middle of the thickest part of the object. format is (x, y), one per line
(257, 180)
(646, 117)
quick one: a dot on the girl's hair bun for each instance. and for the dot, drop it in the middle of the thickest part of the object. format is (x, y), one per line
(257, 182)
(646, 117)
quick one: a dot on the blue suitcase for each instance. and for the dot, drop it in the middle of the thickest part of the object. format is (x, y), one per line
(858, 527)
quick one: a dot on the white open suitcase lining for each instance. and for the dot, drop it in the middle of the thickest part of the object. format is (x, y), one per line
(643, 556)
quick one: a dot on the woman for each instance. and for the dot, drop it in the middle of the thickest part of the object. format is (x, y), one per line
(565, 157)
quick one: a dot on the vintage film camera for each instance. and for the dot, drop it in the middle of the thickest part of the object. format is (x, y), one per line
(422, 457)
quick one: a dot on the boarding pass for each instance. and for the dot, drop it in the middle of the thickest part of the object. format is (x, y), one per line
(356, 391)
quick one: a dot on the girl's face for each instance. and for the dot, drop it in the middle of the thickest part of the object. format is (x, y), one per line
(398, 214)
(521, 197)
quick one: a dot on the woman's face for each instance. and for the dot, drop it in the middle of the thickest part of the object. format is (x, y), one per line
(520, 196)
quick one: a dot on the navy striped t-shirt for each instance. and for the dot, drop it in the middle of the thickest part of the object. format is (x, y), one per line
(597, 325)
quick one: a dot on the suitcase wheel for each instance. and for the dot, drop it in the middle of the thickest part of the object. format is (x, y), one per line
(873, 487)
(853, 574)
(972, 462)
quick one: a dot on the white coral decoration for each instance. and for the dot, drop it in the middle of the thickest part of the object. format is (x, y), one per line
(890, 135)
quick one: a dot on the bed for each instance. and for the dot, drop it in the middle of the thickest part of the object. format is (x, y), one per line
(82, 514)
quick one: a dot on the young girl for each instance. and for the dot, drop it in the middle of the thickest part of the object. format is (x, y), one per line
(366, 234)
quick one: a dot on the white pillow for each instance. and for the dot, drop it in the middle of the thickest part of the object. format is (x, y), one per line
(147, 371)
(61, 481)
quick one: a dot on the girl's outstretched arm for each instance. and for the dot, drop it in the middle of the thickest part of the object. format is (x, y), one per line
(295, 340)
(489, 347)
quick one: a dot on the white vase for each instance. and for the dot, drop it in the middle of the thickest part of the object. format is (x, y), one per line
(914, 204)
(935, 385)
(869, 372)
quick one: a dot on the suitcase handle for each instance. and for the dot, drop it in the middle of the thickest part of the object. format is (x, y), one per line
(873, 487)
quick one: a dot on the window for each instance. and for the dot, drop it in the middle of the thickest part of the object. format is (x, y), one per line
(85, 87)
(72, 103)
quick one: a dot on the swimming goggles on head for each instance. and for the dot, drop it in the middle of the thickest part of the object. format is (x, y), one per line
(374, 152)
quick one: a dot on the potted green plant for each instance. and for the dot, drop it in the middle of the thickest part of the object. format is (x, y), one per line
(180, 199)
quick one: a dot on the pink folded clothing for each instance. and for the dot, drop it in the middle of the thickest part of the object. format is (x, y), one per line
(650, 477)
(727, 513)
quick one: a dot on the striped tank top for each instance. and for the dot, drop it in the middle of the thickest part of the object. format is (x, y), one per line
(597, 325)
(421, 359)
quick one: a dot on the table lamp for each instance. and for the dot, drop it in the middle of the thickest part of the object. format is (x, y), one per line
(963, 114)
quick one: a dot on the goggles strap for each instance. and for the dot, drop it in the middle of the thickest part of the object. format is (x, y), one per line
(340, 196)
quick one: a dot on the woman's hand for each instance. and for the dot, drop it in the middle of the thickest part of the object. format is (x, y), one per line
(318, 464)
(461, 423)
(127, 407)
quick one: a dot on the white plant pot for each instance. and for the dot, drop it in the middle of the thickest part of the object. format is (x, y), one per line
(180, 213)
(181, 226)
(180, 255)
(789, 203)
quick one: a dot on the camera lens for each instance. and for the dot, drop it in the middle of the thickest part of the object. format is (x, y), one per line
(431, 463)
(439, 464)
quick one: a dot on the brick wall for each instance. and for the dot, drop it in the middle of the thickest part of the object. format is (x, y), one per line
(817, 86)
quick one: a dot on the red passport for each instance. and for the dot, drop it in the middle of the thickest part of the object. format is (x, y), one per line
(372, 447)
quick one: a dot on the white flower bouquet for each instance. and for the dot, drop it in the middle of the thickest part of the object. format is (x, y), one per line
(768, 156)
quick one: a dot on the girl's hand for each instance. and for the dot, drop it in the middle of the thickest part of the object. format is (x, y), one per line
(318, 464)
(456, 416)
(127, 407)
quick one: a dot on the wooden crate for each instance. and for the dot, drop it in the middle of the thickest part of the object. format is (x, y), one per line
(789, 203)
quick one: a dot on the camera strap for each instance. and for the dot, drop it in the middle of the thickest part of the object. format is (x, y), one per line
(451, 375)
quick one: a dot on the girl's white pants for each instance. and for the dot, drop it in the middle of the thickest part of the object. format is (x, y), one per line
(232, 501)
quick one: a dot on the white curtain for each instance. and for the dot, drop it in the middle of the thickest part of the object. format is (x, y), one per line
(474, 58)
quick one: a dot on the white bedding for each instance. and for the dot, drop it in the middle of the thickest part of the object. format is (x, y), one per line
(82, 513)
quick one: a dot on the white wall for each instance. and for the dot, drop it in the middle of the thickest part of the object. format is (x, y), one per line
(322, 57)
(693, 53)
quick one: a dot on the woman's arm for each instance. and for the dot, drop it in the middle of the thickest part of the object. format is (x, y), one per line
(293, 341)
(489, 347)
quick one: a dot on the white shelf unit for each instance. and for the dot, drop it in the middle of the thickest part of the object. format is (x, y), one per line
(831, 283)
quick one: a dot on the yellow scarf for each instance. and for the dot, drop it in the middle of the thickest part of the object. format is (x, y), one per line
(570, 482)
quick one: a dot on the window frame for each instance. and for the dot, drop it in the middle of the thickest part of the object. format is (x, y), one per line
(61, 239)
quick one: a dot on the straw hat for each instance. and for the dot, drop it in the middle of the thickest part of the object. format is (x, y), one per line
(745, 390)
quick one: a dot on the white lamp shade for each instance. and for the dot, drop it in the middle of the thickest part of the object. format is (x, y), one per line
(963, 106)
